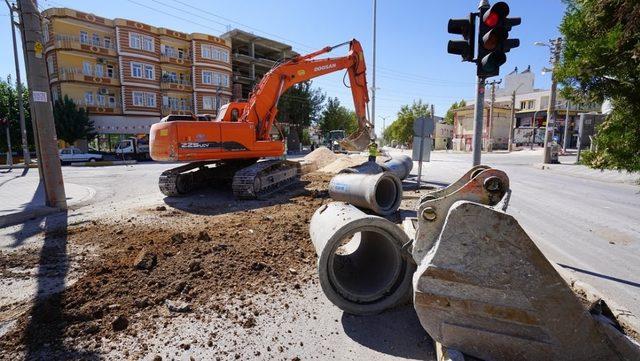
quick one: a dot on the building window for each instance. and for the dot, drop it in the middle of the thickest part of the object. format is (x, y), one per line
(208, 103)
(149, 72)
(207, 77)
(99, 70)
(50, 65)
(55, 94)
(107, 42)
(135, 40)
(84, 37)
(112, 102)
(138, 99)
(88, 98)
(214, 53)
(45, 31)
(110, 71)
(96, 39)
(136, 70)
(150, 100)
(100, 99)
(206, 51)
(86, 68)
(147, 43)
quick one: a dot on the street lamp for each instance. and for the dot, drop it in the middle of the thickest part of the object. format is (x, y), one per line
(555, 47)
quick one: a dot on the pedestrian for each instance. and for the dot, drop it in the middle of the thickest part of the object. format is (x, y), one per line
(373, 151)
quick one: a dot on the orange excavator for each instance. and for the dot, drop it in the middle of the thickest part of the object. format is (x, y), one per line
(231, 145)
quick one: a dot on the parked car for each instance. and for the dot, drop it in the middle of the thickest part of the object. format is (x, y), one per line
(73, 154)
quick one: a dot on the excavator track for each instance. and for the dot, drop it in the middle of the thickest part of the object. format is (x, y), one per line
(265, 178)
(184, 179)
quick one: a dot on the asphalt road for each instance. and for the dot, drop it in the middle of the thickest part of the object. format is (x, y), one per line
(583, 220)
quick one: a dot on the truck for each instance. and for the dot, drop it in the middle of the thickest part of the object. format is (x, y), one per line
(72, 154)
(334, 140)
(133, 148)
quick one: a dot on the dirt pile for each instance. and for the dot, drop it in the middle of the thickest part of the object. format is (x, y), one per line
(160, 262)
(321, 157)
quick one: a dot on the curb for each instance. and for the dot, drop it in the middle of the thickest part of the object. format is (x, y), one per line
(19, 166)
(23, 216)
(103, 163)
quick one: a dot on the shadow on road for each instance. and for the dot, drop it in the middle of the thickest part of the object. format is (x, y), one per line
(600, 275)
(397, 332)
(44, 334)
(217, 201)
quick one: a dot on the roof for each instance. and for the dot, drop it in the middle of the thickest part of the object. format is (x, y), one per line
(262, 41)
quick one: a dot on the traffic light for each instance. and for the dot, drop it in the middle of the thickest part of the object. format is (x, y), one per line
(466, 28)
(493, 38)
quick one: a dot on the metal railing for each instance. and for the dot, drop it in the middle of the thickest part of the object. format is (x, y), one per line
(176, 55)
(70, 71)
(170, 80)
(76, 40)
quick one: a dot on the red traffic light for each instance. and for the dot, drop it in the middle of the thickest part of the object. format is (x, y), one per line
(497, 12)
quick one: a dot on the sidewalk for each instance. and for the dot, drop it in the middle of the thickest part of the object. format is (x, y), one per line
(22, 196)
(582, 171)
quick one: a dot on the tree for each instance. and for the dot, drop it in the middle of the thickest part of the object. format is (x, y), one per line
(9, 110)
(299, 105)
(72, 123)
(337, 117)
(601, 60)
(401, 130)
(448, 118)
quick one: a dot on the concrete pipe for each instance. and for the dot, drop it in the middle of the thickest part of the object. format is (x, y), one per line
(400, 166)
(361, 264)
(381, 193)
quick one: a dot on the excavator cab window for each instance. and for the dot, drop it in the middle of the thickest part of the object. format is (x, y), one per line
(234, 115)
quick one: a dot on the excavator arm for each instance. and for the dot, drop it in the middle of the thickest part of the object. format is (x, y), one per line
(262, 107)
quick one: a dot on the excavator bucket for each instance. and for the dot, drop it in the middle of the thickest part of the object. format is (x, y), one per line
(486, 290)
(356, 142)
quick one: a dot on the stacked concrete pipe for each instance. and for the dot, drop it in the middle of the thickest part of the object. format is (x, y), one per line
(399, 165)
(362, 266)
(381, 192)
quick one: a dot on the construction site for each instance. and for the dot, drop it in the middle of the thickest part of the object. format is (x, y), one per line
(222, 244)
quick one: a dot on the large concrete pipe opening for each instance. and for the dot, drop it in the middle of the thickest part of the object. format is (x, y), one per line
(381, 193)
(361, 264)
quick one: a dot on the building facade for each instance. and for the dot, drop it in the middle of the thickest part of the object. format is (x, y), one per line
(495, 130)
(128, 75)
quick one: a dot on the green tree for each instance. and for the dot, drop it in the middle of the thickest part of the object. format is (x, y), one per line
(401, 130)
(337, 117)
(9, 110)
(72, 123)
(448, 118)
(601, 60)
(299, 105)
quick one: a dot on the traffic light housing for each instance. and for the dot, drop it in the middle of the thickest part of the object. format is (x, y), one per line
(493, 38)
(466, 28)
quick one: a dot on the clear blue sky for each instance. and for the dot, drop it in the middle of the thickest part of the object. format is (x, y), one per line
(412, 39)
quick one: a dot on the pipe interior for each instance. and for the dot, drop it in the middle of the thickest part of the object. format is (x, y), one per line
(386, 193)
(366, 266)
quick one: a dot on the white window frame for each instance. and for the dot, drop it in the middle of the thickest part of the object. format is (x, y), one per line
(50, 66)
(136, 68)
(209, 75)
(87, 68)
(110, 71)
(135, 40)
(100, 100)
(208, 102)
(95, 39)
(112, 102)
(150, 100)
(107, 42)
(99, 70)
(206, 51)
(88, 98)
(149, 71)
(137, 95)
(45, 31)
(84, 37)
(148, 43)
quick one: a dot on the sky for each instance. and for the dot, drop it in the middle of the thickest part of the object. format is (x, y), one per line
(411, 58)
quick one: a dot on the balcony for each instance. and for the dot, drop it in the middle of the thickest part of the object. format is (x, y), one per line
(173, 57)
(77, 74)
(167, 83)
(95, 108)
(167, 110)
(64, 41)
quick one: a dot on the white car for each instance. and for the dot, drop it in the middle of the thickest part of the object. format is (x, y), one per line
(72, 154)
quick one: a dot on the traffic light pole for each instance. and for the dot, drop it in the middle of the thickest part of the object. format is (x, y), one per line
(478, 122)
(551, 110)
(40, 100)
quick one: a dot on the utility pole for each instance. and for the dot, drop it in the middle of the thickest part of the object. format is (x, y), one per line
(490, 125)
(556, 47)
(373, 88)
(477, 125)
(513, 121)
(40, 100)
(23, 130)
(565, 141)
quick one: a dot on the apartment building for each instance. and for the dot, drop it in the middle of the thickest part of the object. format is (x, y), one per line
(252, 57)
(127, 74)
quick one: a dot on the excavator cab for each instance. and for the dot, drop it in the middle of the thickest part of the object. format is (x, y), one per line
(231, 112)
